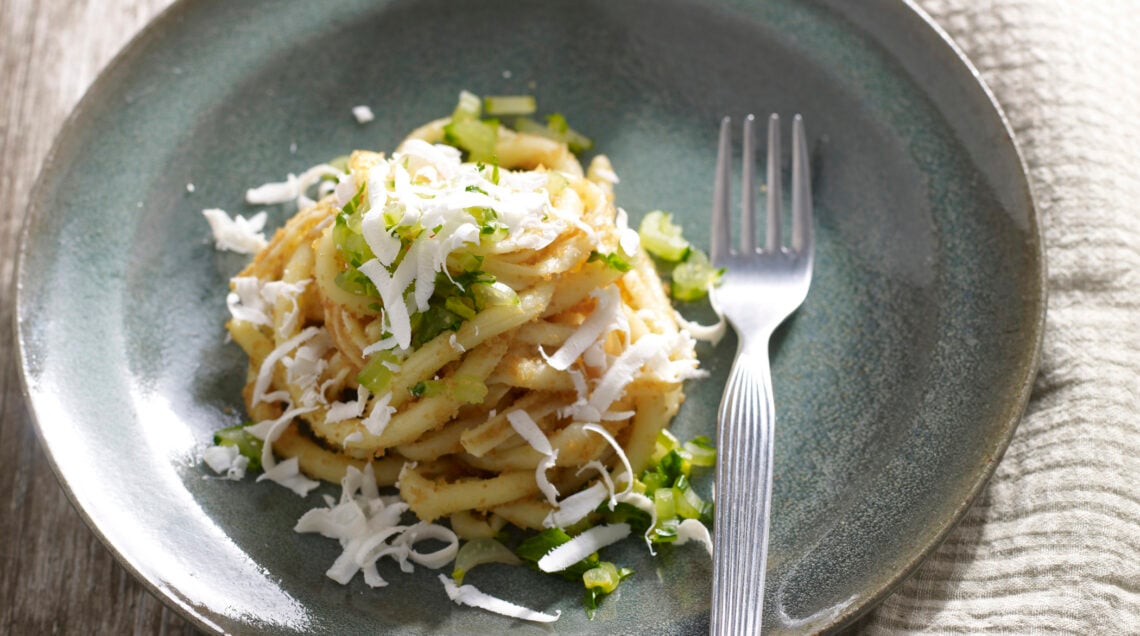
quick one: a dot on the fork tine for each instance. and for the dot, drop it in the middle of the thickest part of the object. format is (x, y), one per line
(801, 190)
(718, 242)
(772, 244)
(748, 193)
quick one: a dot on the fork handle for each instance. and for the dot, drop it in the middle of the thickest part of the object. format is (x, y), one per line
(746, 421)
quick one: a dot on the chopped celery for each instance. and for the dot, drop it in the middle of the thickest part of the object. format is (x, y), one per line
(509, 104)
(377, 373)
(600, 582)
(493, 294)
(665, 531)
(701, 451)
(470, 262)
(637, 518)
(340, 163)
(457, 306)
(467, 388)
(350, 244)
(476, 137)
(492, 232)
(483, 216)
(665, 443)
(532, 127)
(556, 129)
(355, 282)
(653, 481)
(462, 388)
(665, 503)
(693, 278)
(666, 483)
(674, 465)
(662, 238)
(687, 503)
(469, 107)
(555, 183)
(614, 260)
(248, 445)
(480, 551)
(605, 577)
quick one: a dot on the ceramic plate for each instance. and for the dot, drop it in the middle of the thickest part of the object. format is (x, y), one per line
(898, 383)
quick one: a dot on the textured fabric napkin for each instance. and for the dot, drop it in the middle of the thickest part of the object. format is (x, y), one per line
(1053, 542)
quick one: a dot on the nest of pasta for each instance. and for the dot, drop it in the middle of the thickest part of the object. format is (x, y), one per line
(407, 320)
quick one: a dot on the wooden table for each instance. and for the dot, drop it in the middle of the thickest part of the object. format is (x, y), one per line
(55, 575)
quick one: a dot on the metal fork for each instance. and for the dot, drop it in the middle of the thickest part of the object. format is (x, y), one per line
(760, 289)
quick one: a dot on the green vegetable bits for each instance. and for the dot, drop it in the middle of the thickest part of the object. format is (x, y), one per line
(692, 275)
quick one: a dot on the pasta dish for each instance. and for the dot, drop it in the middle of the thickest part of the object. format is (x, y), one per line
(484, 333)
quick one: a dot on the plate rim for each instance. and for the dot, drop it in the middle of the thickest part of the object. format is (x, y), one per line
(169, 17)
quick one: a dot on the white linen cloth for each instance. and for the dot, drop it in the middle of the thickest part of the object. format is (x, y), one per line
(1053, 543)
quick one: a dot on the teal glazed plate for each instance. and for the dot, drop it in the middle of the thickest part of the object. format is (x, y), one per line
(898, 383)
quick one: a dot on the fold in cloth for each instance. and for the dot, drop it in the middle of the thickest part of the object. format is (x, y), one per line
(1053, 542)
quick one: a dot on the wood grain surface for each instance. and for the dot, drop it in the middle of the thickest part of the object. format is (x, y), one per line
(55, 575)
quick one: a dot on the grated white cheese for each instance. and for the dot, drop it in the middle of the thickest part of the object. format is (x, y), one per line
(363, 114)
(368, 527)
(709, 333)
(645, 504)
(227, 461)
(471, 596)
(606, 317)
(238, 234)
(288, 474)
(582, 546)
(293, 188)
(617, 377)
(574, 508)
(527, 429)
(628, 238)
(265, 372)
(345, 189)
(691, 529)
(252, 301)
(380, 415)
(594, 428)
(341, 411)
